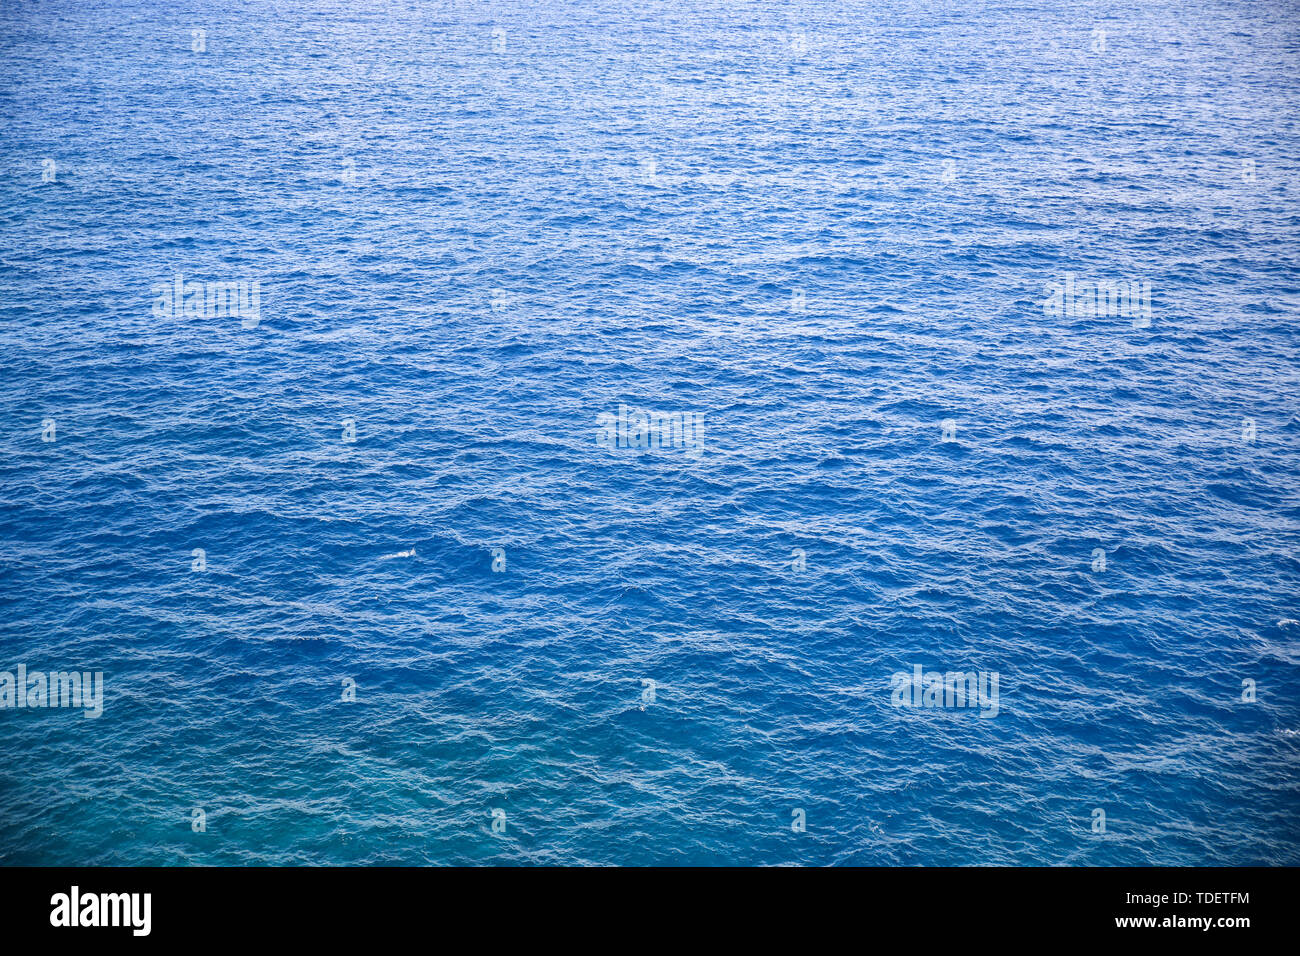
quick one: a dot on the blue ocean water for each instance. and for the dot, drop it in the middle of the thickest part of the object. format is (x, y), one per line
(827, 229)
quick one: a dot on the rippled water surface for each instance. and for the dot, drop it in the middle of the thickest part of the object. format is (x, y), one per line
(476, 227)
